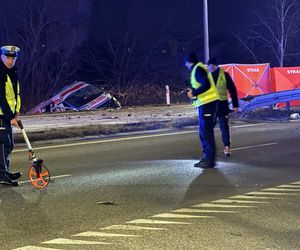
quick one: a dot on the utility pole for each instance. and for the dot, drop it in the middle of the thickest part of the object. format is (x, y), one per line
(206, 32)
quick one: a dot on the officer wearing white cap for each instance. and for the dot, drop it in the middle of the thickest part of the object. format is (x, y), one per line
(10, 51)
(10, 104)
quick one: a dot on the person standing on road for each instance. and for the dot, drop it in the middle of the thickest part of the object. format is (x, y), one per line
(10, 103)
(224, 85)
(204, 94)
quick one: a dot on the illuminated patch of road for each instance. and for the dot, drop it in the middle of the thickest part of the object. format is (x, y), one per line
(244, 201)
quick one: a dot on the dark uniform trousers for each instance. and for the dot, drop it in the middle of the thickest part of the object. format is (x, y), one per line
(223, 118)
(6, 147)
(206, 117)
(224, 126)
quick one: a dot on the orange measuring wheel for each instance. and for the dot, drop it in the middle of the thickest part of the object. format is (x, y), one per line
(38, 173)
(39, 176)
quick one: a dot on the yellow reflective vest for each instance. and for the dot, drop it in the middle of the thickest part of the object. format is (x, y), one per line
(208, 96)
(222, 85)
(13, 101)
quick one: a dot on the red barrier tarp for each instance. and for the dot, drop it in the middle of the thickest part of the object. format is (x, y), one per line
(286, 78)
(250, 79)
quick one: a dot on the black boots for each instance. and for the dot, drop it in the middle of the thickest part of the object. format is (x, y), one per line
(204, 164)
(9, 179)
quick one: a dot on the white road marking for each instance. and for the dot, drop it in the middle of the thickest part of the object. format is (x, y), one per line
(223, 205)
(180, 216)
(36, 248)
(146, 221)
(248, 125)
(125, 139)
(271, 193)
(101, 234)
(254, 197)
(191, 210)
(288, 186)
(129, 227)
(106, 141)
(255, 146)
(51, 177)
(63, 241)
(282, 189)
(237, 201)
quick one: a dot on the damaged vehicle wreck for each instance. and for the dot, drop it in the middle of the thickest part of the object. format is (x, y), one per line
(77, 96)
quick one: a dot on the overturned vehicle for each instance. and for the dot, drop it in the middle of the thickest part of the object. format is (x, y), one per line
(77, 96)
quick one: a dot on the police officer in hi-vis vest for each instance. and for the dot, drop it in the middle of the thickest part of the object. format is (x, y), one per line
(224, 84)
(10, 104)
(204, 94)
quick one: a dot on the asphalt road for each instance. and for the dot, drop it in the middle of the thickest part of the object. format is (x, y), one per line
(141, 191)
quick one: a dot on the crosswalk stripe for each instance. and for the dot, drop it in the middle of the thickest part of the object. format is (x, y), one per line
(63, 241)
(129, 227)
(36, 248)
(194, 210)
(186, 216)
(288, 186)
(282, 189)
(296, 183)
(271, 193)
(222, 205)
(101, 234)
(146, 221)
(253, 197)
(237, 201)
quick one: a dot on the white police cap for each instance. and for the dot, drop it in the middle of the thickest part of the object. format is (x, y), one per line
(11, 51)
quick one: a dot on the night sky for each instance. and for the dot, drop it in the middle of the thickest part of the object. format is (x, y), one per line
(151, 18)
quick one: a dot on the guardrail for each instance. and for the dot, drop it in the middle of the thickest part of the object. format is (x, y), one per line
(271, 99)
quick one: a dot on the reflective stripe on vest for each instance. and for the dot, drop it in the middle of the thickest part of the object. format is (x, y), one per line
(13, 102)
(208, 96)
(222, 85)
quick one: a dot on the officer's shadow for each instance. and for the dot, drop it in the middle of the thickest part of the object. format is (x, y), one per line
(209, 185)
(18, 213)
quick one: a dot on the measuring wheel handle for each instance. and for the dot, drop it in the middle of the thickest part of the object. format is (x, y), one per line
(38, 173)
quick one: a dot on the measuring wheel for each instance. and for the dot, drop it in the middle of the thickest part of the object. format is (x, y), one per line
(39, 175)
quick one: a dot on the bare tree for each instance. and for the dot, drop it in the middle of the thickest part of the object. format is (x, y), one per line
(49, 38)
(134, 68)
(276, 35)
